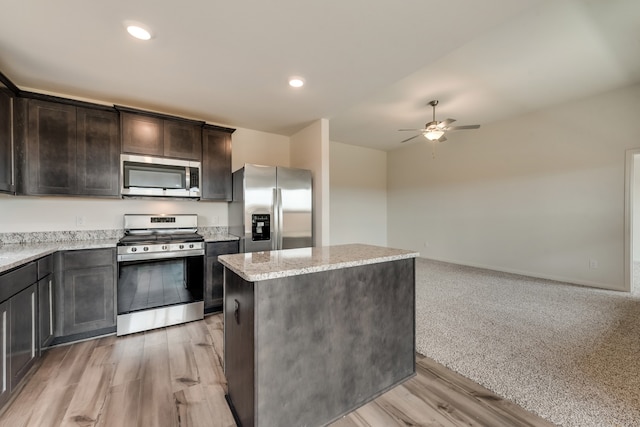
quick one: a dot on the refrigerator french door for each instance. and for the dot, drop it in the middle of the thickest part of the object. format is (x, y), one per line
(271, 208)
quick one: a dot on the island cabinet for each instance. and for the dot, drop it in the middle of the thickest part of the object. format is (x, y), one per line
(158, 135)
(64, 149)
(213, 286)
(18, 326)
(312, 334)
(216, 163)
(6, 141)
(85, 293)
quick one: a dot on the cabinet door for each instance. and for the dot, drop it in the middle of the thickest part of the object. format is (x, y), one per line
(216, 165)
(213, 287)
(182, 140)
(45, 310)
(88, 299)
(51, 148)
(5, 389)
(141, 134)
(6, 142)
(23, 347)
(98, 153)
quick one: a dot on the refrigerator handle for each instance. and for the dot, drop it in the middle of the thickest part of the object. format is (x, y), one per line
(274, 219)
(280, 219)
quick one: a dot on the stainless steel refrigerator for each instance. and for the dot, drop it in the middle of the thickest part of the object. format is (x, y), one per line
(271, 208)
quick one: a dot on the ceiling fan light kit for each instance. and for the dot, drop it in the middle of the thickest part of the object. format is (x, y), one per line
(434, 131)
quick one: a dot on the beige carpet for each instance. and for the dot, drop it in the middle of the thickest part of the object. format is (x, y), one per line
(570, 354)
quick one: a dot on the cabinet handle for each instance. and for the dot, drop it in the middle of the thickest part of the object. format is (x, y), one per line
(4, 351)
(33, 325)
(236, 311)
(50, 307)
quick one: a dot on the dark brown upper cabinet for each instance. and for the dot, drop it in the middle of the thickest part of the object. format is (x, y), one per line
(216, 163)
(6, 141)
(158, 135)
(65, 149)
(98, 153)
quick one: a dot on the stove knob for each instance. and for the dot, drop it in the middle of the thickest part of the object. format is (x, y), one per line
(165, 247)
(181, 246)
(134, 249)
(191, 246)
(146, 248)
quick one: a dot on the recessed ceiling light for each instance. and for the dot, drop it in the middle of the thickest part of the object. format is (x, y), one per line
(137, 30)
(296, 82)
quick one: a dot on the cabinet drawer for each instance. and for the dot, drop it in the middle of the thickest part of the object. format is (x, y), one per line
(45, 266)
(16, 280)
(89, 258)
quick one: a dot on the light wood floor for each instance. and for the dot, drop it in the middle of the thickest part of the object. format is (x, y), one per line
(174, 377)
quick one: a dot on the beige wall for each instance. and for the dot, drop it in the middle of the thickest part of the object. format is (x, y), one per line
(252, 146)
(542, 194)
(358, 195)
(310, 150)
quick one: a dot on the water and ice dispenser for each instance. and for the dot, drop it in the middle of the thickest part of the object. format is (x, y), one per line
(260, 227)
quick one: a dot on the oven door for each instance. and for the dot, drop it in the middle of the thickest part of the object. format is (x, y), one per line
(153, 293)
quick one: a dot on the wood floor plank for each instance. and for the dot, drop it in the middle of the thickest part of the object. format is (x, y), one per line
(122, 405)
(173, 377)
(410, 410)
(221, 412)
(193, 408)
(156, 398)
(129, 365)
(373, 415)
(91, 392)
(182, 362)
(477, 400)
(50, 409)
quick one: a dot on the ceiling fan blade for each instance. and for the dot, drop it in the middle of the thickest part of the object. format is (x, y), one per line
(409, 139)
(463, 127)
(414, 130)
(446, 123)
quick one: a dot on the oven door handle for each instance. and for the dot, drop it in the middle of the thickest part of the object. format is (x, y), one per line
(159, 255)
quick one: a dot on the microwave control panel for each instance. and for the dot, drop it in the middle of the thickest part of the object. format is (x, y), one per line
(260, 227)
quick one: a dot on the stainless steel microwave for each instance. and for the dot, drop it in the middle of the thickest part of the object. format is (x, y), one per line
(159, 177)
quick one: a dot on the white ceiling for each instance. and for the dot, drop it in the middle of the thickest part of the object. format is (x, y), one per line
(370, 66)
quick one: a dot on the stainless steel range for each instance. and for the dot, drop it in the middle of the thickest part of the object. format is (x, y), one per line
(160, 272)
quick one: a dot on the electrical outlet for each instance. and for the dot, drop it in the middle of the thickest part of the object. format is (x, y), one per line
(215, 220)
(426, 244)
(593, 263)
(80, 220)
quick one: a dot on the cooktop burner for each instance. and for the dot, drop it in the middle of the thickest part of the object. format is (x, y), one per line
(160, 236)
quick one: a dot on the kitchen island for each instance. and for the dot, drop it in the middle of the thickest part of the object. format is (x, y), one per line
(312, 334)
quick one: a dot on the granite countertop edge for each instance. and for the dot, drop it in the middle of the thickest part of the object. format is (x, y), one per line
(283, 270)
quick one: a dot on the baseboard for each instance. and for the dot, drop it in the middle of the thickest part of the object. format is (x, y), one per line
(560, 279)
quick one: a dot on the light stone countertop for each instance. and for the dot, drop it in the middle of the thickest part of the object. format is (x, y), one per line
(17, 254)
(257, 266)
(217, 237)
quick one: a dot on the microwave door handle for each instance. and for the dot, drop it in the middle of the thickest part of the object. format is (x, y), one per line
(187, 178)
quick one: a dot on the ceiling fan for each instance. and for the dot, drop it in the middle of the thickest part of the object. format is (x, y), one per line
(434, 130)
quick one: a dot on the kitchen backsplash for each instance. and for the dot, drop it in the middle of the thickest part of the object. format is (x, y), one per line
(82, 235)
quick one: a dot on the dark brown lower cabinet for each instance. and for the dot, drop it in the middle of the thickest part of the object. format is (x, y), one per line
(23, 332)
(19, 346)
(5, 389)
(213, 285)
(85, 293)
